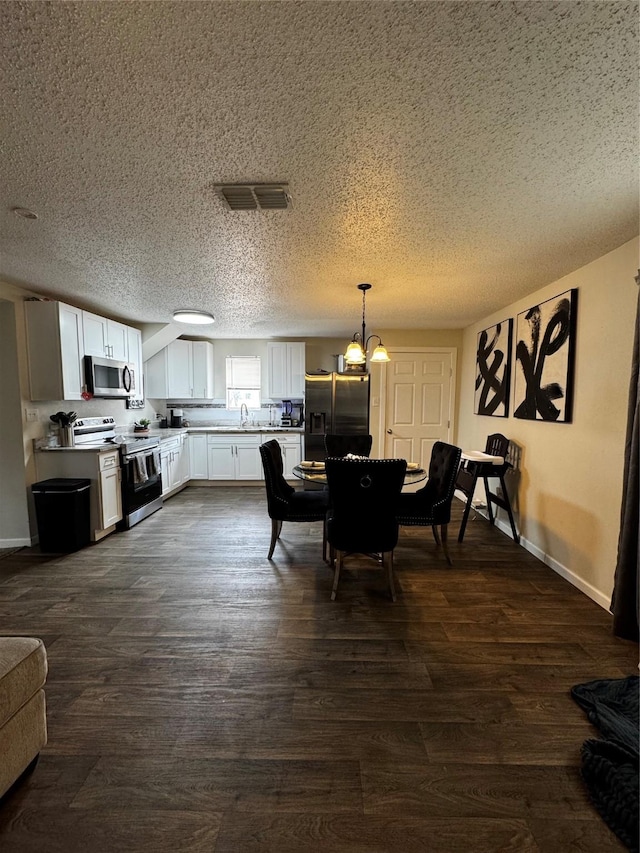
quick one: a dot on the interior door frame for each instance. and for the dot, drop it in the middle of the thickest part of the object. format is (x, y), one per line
(382, 408)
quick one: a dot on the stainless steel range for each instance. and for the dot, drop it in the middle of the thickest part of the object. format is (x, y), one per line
(140, 465)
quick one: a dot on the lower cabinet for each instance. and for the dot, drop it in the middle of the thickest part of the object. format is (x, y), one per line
(174, 461)
(232, 457)
(198, 456)
(110, 495)
(290, 447)
(103, 469)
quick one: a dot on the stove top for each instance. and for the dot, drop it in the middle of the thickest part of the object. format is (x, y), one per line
(100, 433)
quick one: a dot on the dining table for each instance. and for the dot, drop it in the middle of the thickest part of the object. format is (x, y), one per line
(315, 473)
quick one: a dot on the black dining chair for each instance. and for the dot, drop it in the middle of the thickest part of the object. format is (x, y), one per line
(284, 503)
(363, 494)
(431, 505)
(339, 445)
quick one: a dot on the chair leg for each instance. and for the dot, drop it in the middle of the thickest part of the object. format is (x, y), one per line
(338, 557)
(387, 560)
(276, 527)
(443, 534)
(436, 535)
(324, 540)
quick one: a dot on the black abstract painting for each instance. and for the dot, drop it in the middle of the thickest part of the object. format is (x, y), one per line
(493, 370)
(545, 343)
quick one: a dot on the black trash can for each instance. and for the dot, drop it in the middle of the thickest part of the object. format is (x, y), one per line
(62, 513)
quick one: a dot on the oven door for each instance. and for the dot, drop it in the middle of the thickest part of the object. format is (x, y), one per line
(141, 485)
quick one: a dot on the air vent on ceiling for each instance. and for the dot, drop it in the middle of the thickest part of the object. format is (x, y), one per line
(255, 196)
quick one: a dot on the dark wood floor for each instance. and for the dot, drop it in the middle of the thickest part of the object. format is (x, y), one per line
(201, 698)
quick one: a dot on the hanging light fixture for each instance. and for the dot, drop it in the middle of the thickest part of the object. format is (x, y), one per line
(193, 316)
(357, 350)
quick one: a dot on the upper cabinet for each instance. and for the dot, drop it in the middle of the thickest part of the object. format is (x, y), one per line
(59, 335)
(286, 369)
(183, 370)
(105, 338)
(134, 357)
(55, 350)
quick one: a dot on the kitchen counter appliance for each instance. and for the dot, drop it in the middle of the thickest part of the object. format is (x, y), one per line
(140, 465)
(292, 413)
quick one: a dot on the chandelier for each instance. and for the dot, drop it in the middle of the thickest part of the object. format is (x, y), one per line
(357, 350)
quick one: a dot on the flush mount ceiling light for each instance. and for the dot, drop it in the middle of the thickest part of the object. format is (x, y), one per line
(273, 196)
(357, 350)
(193, 316)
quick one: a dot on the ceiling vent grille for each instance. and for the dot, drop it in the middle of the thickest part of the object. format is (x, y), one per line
(255, 196)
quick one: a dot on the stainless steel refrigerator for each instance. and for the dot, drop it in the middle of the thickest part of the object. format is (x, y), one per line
(335, 403)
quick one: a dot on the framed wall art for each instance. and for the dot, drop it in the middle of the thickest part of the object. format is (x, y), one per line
(545, 352)
(493, 370)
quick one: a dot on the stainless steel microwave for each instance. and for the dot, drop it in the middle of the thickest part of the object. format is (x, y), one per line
(106, 377)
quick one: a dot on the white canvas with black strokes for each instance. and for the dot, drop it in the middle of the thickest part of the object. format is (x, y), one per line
(493, 370)
(545, 344)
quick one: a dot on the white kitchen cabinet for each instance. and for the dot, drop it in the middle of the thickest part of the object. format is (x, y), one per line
(110, 495)
(180, 369)
(183, 370)
(291, 453)
(286, 369)
(55, 350)
(102, 469)
(134, 357)
(234, 457)
(174, 467)
(184, 464)
(198, 456)
(202, 360)
(104, 338)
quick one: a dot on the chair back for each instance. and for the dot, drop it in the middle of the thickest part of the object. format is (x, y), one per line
(363, 495)
(278, 490)
(340, 445)
(497, 445)
(440, 487)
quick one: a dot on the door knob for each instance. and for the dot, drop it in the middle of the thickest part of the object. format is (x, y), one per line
(390, 431)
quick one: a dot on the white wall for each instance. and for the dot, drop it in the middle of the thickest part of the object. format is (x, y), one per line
(14, 522)
(570, 479)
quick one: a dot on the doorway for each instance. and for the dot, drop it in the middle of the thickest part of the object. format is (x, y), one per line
(418, 394)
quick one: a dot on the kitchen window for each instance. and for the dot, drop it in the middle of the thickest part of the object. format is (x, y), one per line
(243, 381)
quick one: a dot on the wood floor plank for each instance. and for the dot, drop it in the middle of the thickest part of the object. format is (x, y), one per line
(222, 784)
(104, 830)
(447, 791)
(203, 698)
(332, 833)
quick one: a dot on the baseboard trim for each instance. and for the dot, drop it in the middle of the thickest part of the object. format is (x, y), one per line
(26, 542)
(589, 590)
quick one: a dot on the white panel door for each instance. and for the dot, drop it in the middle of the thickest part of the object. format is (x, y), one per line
(418, 404)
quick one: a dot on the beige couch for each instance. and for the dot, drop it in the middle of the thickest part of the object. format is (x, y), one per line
(23, 723)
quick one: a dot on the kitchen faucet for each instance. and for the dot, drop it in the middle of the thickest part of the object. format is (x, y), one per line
(244, 414)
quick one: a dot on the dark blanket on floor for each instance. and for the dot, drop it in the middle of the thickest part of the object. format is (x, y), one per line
(610, 767)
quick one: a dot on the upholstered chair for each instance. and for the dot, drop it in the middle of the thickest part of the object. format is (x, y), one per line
(431, 505)
(340, 445)
(363, 496)
(284, 503)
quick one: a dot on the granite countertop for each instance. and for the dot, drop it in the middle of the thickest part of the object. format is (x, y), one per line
(172, 432)
(239, 429)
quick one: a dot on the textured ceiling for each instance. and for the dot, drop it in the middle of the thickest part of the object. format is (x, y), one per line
(458, 155)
